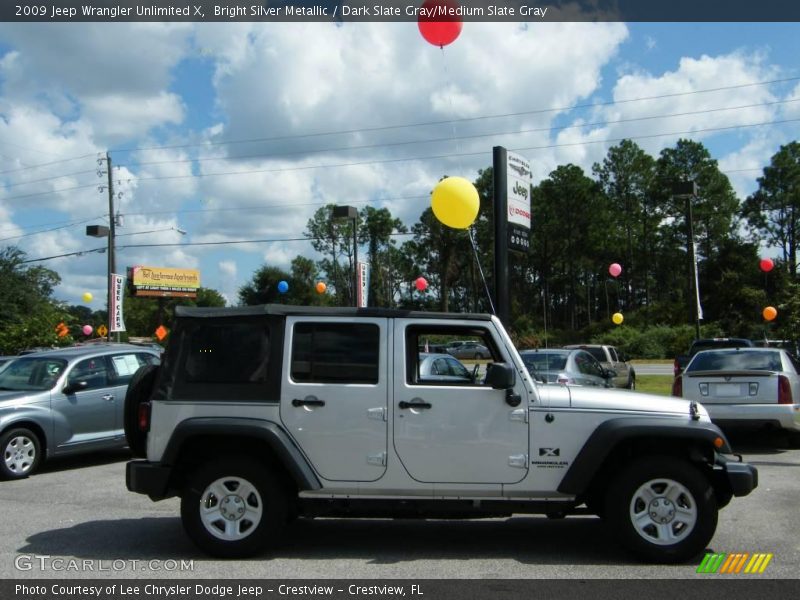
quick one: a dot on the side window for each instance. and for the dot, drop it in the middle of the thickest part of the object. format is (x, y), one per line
(612, 352)
(123, 366)
(92, 371)
(588, 365)
(448, 354)
(335, 353)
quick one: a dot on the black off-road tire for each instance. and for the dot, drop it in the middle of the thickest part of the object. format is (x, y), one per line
(205, 514)
(665, 531)
(20, 453)
(139, 390)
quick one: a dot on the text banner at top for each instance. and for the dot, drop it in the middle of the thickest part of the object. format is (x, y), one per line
(401, 10)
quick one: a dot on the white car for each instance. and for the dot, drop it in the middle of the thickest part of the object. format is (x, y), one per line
(756, 387)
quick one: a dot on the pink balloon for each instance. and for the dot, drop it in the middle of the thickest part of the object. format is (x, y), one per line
(87, 330)
(766, 265)
(421, 284)
(615, 269)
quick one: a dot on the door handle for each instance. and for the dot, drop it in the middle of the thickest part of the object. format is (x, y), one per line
(308, 401)
(108, 397)
(415, 403)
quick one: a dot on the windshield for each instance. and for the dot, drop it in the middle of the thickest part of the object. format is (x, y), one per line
(736, 361)
(31, 374)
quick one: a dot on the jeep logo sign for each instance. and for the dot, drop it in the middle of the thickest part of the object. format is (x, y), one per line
(518, 198)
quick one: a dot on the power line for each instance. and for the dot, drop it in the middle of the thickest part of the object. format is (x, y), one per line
(55, 162)
(462, 120)
(10, 185)
(48, 230)
(182, 245)
(463, 154)
(413, 158)
(463, 137)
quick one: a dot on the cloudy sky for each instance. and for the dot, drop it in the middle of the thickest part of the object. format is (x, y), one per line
(238, 132)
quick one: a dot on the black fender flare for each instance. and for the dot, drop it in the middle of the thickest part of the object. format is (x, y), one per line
(266, 431)
(611, 433)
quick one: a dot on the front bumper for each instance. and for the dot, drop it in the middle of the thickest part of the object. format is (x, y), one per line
(152, 479)
(741, 478)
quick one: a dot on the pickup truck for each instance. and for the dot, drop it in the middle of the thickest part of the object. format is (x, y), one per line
(707, 344)
(261, 414)
(612, 359)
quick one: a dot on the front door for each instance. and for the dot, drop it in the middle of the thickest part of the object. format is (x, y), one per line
(89, 414)
(335, 394)
(450, 430)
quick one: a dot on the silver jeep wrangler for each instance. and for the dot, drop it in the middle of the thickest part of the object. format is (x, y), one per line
(261, 414)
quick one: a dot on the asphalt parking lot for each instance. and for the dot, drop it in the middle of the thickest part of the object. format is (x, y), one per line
(75, 519)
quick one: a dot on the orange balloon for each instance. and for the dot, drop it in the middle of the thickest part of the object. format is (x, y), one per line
(770, 313)
(321, 287)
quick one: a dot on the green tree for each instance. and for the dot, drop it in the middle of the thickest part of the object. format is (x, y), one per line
(773, 211)
(28, 312)
(376, 233)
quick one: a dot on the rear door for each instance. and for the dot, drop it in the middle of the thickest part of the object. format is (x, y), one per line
(334, 395)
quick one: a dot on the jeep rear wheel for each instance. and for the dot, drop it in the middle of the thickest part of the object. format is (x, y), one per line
(21, 453)
(662, 509)
(233, 508)
(139, 390)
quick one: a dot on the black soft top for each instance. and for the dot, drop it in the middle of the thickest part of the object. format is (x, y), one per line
(194, 312)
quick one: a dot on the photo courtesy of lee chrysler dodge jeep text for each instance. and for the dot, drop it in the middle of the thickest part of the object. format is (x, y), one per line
(261, 414)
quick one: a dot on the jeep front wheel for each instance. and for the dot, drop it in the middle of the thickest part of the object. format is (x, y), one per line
(233, 508)
(662, 509)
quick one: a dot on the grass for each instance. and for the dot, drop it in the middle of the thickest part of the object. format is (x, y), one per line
(654, 384)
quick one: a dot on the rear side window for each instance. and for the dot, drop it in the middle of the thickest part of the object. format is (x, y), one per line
(223, 359)
(335, 353)
(598, 353)
(123, 366)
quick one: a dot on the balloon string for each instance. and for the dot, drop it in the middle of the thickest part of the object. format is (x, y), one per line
(450, 86)
(480, 270)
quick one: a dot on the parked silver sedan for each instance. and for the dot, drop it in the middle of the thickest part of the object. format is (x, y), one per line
(567, 367)
(756, 387)
(443, 368)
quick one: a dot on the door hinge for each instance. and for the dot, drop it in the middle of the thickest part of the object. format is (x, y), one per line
(377, 414)
(377, 459)
(520, 414)
(519, 461)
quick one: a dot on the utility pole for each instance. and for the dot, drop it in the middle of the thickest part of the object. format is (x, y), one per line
(688, 191)
(112, 263)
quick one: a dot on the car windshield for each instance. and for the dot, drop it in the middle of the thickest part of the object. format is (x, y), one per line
(736, 361)
(542, 361)
(31, 374)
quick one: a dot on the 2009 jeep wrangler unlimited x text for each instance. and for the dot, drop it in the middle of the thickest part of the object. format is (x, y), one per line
(261, 414)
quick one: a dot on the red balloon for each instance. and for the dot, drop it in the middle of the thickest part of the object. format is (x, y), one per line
(421, 284)
(438, 23)
(766, 265)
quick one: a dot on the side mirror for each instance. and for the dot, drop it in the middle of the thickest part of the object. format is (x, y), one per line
(500, 376)
(609, 374)
(77, 386)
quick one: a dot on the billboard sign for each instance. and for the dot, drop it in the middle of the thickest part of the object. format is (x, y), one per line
(164, 282)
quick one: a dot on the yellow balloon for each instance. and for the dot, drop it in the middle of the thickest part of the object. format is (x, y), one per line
(617, 318)
(455, 202)
(87, 297)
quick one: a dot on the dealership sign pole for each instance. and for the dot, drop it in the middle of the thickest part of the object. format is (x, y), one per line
(512, 222)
